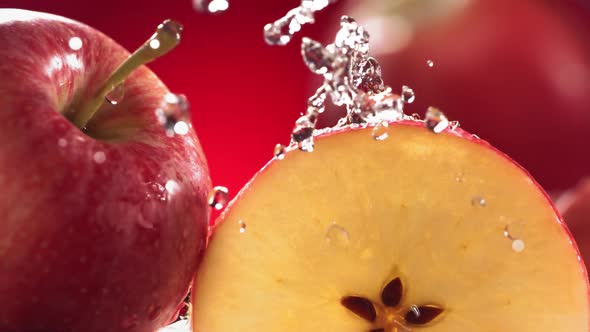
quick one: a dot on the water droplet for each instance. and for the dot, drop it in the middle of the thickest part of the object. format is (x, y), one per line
(75, 43)
(454, 124)
(170, 27)
(518, 245)
(185, 311)
(514, 230)
(459, 177)
(99, 157)
(211, 6)
(242, 226)
(218, 197)
(414, 308)
(62, 143)
(408, 95)
(415, 116)
(352, 37)
(279, 151)
(435, 120)
(181, 128)
(116, 95)
(302, 133)
(173, 114)
(154, 44)
(156, 191)
(337, 235)
(430, 63)
(366, 75)
(478, 201)
(380, 131)
(316, 57)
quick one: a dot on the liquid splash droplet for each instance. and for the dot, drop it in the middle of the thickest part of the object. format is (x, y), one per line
(282, 30)
(218, 197)
(279, 151)
(408, 95)
(337, 235)
(302, 133)
(430, 63)
(435, 120)
(381, 131)
(316, 57)
(116, 95)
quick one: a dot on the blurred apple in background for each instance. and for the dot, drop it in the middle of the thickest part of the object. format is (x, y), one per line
(517, 73)
(574, 206)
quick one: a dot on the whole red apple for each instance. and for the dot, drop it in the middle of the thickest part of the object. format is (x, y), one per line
(101, 229)
(514, 72)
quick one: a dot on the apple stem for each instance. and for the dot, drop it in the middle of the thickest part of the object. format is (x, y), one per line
(166, 37)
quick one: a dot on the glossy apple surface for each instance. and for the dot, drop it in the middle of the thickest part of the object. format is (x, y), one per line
(99, 231)
(513, 72)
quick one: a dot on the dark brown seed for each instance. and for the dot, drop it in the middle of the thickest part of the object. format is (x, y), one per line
(377, 330)
(360, 306)
(391, 295)
(427, 314)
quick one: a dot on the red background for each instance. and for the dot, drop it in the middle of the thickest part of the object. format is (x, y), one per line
(245, 95)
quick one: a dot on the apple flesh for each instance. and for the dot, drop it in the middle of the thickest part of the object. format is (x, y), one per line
(101, 230)
(416, 232)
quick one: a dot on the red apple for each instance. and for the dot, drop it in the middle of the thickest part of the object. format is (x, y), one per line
(514, 72)
(102, 229)
(575, 208)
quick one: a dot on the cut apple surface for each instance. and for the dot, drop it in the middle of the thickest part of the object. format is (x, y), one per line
(420, 231)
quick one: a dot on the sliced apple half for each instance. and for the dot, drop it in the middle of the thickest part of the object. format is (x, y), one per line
(418, 232)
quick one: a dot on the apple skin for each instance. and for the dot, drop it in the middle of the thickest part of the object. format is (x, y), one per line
(90, 242)
(513, 72)
(574, 205)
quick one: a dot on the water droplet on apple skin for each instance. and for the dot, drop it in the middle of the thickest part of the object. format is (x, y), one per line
(174, 114)
(116, 95)
(218, 197)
